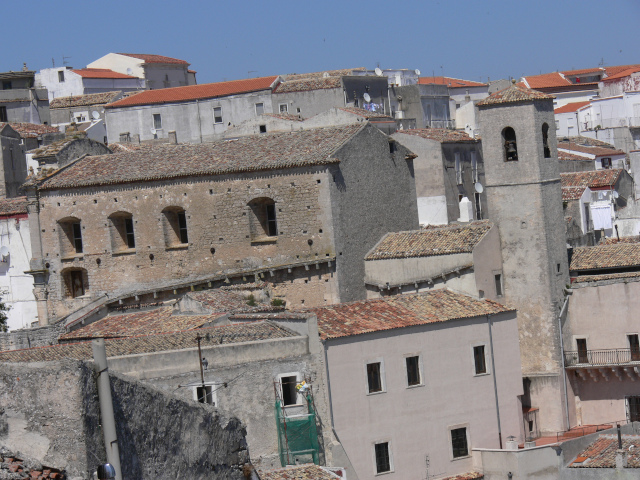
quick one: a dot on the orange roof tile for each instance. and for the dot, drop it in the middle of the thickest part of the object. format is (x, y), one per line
(514, 94)
(442, 135)
(601, 257)
(571, 107)
(596, 150)
(13, 206)
(592, 178)
(101, 73)
(148, 58)
(572, 156)
(451, 82)
(623, 73)
(547, 80)
(572, 193)
(195, 92)
(31, 130)
(602, 453)
(298, 472)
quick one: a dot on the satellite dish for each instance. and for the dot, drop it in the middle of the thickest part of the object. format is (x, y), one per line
(367, 97)
(4, 252)
(479, 188)
(417, 72)
(378, 72)
(153, 131)
(325, 74)
(129, 71)
(615, 195)
(95, 115)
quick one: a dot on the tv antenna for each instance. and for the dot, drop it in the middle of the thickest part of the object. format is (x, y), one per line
(250, 72)
(53, 62)
(64, 60)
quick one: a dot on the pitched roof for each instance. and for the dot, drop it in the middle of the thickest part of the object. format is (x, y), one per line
(361, 112)
(451, 82)
(566, 156)
(245, 154)
(53, 148)
(83, 100)
(582, 71)
(514, 94)
(605, 256)
(30, 130)
(13, 206)
(622, 74)
(307, 84)
(226, 334)
(602, 452)
(194, 92)
(596, 150)
(101, 73)
(607, 276)
(331, 73)
(298, 472)
(429, 242)
(616, 69)
(228, 300)
(285, 116)
(442, 135)
(399, 311)
(149, 58)
(572, 193)
(571, 107)
(580, 140)
(547, 80)
(591, 178)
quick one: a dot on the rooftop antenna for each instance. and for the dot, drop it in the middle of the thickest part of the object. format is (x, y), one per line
(53, 62)
(250, 72)
(64, 60)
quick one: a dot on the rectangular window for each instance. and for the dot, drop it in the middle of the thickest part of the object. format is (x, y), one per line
(6, 85)
(259, 108)
(583, 353)
(77, 237)
(204, 394)
(272, 225)
(3, 114)
(478, 206)
(128, 228)
(459, 442)
(634, 346)
(458, 168)
(182, 227)
(606, 162)
(60, 76)
(263, 129)
(217, 114)
(289, 392)
(413, 371)
(479, 360)
(284, 108)
(157, 121)
(77, 283)
(498, 281)
(633, 408)
(383, 459)
(374, 377)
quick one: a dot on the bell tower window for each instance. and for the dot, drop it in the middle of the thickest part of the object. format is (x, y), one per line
(510, 145)
(545, 140)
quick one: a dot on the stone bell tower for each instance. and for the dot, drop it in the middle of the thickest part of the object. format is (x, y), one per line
(525, 200)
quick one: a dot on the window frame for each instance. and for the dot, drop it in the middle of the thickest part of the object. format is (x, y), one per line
(389, 457)
(506, 140)
(286, 108)
(122, 232)
(419, 367)
(216, 117)
(61, 76)
(299, 396)
(450, 430)
(634, 350)
(498, 282)
(69, 275)
(214, 395)
(263, 220)
(474, 363)
(157, 121)
(175, 227)
(70, 237)
(381, 375)
(259, 105)
(458, 167)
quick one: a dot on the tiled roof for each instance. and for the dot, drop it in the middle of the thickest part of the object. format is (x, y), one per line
(116, 347)
(514, 94)
(307, 84)
(195, 92)
(148, 58)
(128, 147)
(580, 140)
(598, 151)
(13, 206)
(148, 322)
(12, 466)
(609, 276)
(361, 112)
(298, 472)
(622, 74)
(285, 116)
(615, 241)
(451, 82)
(602, 452)
(583, 71)
(572, 193)
(429, 242)
(572, 156)
(571, 107)
(331, 73)
(101, 73)
(246, 154)
(616, 69)
(83, 100)
(229, 301)
(547, 80)
(53, 148)
(399, 311)
(466, 476)
(31, 130)
(591, 179)
(605, 256)
(442, 135)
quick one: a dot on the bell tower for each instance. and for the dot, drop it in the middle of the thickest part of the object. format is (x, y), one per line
(524, 199)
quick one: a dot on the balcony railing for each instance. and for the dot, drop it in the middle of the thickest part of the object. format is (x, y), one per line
(614, 356)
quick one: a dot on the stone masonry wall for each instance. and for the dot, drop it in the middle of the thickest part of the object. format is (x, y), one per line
(30, 337)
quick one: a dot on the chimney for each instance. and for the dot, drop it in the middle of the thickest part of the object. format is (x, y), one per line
(173, 138)
(125, 137)
(24, 67)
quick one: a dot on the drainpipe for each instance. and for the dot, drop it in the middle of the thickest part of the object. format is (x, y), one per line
(564, 373)
(495, 381)
(106, 405)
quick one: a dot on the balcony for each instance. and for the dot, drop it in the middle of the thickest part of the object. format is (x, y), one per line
(603, 364)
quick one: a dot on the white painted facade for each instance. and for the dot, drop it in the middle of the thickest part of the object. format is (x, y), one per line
(16, 287)
(70, 83)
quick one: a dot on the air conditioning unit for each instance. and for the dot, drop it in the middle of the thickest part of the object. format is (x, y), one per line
(399, 114)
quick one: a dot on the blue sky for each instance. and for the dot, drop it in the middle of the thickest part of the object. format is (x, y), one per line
(226, 40)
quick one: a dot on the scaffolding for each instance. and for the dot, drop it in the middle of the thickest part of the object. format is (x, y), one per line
(297, 432)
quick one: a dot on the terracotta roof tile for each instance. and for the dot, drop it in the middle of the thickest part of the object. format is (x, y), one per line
(307, 84)
(149, 58)
(246, 154)
(226, 300)
(195, 92)
(298, 472)
(514, 94)
(566, 156)
(53, 148)
(31, 130)
(331, 73)
(609, 276)
(571, 107)
(596, 150)
(226, 334)
(451, 82)
(361, 112)
(615, 241)
(547, 80)
(572, 193)
(101, 73)
(442, 135)
(579, 140)
(13, 206)
(466, 476)
(83, 100)
(399, 311)
(602, 452)
(285, 116)
(605, 256)
(429, 242)
(591, 179)
(622, 74)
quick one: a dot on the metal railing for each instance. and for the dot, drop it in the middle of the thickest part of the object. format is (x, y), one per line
(614, 356)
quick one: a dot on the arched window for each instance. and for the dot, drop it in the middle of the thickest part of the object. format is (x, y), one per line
(121, 231)
(545, 140)
(510, 145)
(262, 219)
(70, 236)
(175, 227)
(75, 282)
